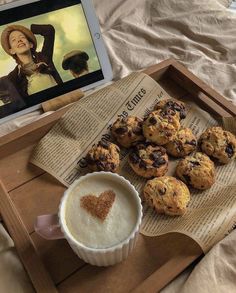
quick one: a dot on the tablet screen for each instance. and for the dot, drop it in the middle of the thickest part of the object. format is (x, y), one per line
(46, 50)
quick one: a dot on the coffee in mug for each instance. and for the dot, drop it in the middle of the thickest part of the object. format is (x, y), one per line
(99, 215)
(100, 211)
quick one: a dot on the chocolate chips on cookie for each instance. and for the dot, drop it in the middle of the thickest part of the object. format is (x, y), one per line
(128, 131)
(161, 126)
(167, 195)
(104, 157)
(197, 171)
(148, 160)
(174, 105)
(183, 144)
(218, 144)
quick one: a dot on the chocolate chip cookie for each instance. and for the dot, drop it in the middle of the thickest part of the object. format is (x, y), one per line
(183, 144)
(218, 144)
(148, 160)
(161, 126)
(167, 195)
(128, 131)
(174, 105)
(196, 170)
(104, 157)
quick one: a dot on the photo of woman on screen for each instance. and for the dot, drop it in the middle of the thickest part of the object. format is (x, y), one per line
(35, 71)
(47, 51)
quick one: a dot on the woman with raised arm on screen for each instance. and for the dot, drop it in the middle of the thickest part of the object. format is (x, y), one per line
(35, 71)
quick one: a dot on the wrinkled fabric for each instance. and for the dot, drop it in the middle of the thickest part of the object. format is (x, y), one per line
(216, 272)
(13, 278)
(201, 35)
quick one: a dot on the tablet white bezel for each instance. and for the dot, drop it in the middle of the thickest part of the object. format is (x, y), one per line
(99, 45)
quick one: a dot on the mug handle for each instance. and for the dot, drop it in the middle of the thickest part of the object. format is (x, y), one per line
(48, 227)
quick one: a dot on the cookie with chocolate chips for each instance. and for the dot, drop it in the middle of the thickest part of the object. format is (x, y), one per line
(183, 144)
(167, 195)
(104, 157)
(128, 131)
(177, 106)
(148, 160)
(218, 144)
(196, 170)
(161, 126)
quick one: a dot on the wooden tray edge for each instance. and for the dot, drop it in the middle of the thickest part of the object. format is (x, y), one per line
(7, 207)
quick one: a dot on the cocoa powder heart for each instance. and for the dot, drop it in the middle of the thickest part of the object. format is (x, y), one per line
(98, 206)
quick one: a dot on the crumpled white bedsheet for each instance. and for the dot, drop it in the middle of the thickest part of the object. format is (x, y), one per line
(201, 35)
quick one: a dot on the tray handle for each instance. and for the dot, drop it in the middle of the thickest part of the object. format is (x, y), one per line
(207, 95)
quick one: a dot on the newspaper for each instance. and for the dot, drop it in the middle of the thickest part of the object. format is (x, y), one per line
(211, 214)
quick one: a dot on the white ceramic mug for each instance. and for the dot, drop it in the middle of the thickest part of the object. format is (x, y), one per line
(95, 256)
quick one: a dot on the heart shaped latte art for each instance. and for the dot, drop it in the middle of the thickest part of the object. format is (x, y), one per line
(98, 206)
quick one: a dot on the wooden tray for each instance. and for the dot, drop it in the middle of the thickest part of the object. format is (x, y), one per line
(26, 191)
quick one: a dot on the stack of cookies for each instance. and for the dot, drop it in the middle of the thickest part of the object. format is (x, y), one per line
(155, 137)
